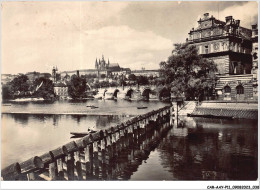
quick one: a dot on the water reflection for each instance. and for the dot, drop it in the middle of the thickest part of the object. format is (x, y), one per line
(123, 158)
(212, 149)
(21, 118)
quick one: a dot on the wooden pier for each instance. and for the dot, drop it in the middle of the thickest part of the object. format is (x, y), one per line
(110, 154)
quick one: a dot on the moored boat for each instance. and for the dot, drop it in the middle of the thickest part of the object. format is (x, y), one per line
(141, 107)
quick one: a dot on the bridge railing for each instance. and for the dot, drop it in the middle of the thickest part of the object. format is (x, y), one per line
(95, 155)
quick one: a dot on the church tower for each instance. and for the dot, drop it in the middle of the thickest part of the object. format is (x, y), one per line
(96, 64)
(54, 77)
(108, 63)
(103, 63)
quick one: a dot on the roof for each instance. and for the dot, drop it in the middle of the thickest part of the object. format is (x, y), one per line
(113, 65)
(60, 84)
(32, 73)
(145, 71)
(82, 70)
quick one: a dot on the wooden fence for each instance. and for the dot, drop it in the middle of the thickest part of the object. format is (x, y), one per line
(110, 154)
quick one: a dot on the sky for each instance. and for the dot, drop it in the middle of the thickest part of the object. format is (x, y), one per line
(70, 35)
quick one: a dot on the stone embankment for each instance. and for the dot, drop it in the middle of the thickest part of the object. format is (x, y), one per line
(245, 110)
(228, 109)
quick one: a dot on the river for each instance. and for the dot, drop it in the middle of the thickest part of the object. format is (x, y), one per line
(192, 149)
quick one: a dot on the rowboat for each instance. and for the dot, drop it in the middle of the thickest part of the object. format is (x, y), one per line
(81, 134)
(92, 107)
(141, 107)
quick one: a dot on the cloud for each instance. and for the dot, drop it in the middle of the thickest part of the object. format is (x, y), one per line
(39, 35)
(125, 45)
(247, 13)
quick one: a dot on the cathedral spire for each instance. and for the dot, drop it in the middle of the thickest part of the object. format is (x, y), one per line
(96, 64)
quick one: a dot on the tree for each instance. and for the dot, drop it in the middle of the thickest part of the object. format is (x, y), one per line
(132, 77)
(142, 80)
(122, 82)
(20, 84)
(43, 87)
(103, 76)
(188, 73)
(6, 92)
(77, 87)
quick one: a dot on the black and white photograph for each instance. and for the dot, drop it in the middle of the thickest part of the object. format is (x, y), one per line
(132, 91)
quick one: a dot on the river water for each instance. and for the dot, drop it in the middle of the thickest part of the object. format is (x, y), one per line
(193, 149)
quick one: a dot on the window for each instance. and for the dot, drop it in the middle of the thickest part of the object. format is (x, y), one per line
(227, 89)
(240, 89)
(206, 49)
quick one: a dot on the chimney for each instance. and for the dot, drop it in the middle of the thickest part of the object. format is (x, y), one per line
(237, 22)
(206, 15)
(228, 19)
(254, 26)
(254, 30)
(78, 73)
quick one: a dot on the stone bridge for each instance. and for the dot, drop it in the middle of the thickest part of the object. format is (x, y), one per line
(134, 93)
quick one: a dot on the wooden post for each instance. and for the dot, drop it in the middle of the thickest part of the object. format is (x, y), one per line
(89, 161)
(78, 167)
(98, 135)
(53, 173)
(59, 152)
(60, 169)
(71, 147)
(95, 160)
(47, 158)
(11, 172)
(31, 165)
(70, 167)
(114, 147)
(79, 170)
(118, 147)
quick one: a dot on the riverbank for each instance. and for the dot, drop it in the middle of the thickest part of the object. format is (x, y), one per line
(26, 100)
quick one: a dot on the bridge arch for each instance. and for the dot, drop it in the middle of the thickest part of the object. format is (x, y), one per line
(115, 93)
(129, 93)
(146, 93)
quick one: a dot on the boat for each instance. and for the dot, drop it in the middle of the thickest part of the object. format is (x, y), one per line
(81, 134)
(6, 104)
(210, 116)
(141, 107)
(92, 107)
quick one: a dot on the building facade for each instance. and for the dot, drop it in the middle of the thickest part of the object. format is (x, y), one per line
(230, 47)
(147, 73)
(255, 59)
(61, 90)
